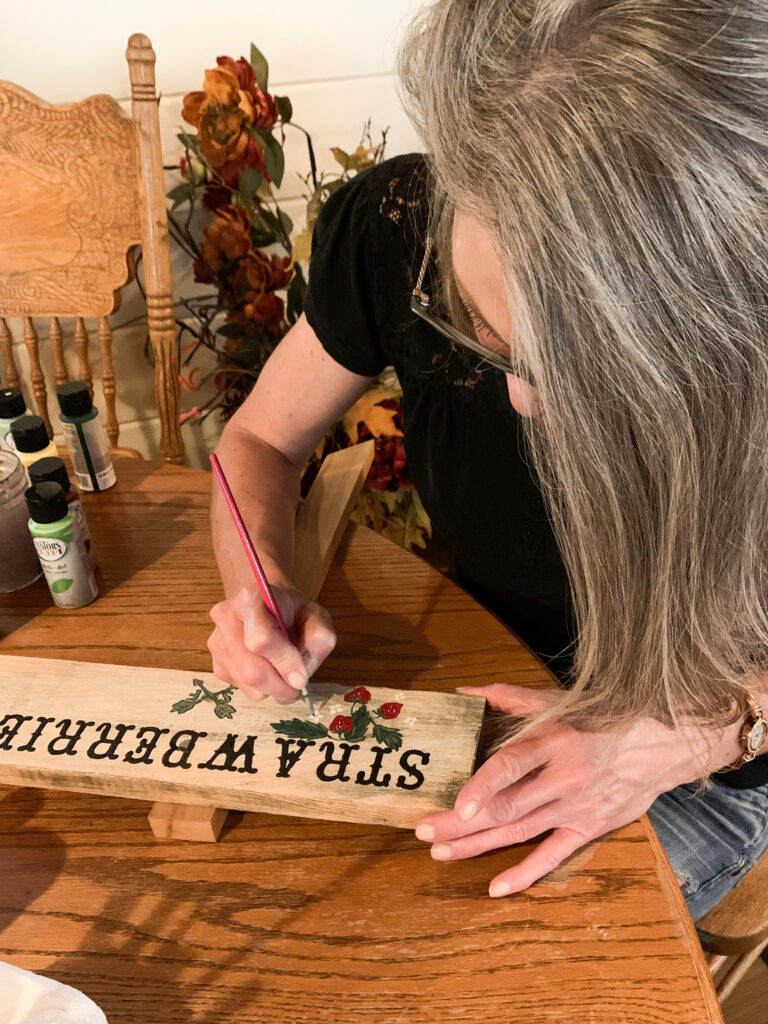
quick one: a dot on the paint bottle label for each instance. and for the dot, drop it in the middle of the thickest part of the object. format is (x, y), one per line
(69, 577)
(87, 441)
(75, 506)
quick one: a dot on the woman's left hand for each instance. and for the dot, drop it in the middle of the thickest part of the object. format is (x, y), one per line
(575, 784)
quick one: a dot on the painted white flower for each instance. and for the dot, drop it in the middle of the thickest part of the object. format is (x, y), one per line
(410, 720)
(314, 718)
(398, 696)
(336, 709)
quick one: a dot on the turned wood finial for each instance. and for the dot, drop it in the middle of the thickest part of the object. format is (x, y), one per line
(141, 67)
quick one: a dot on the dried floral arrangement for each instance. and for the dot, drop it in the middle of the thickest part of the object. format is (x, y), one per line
(226, 216)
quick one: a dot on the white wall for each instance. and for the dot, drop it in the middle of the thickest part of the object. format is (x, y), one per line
(334, 59)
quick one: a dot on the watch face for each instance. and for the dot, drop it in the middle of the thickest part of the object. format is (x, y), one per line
(757, 735)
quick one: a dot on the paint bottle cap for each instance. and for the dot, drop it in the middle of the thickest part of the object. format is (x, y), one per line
(12, 403)
(51, 469)
(30, 434)
(74, 398)
(46, 502)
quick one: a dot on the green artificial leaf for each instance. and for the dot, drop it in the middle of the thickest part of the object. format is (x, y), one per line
(274, 158)
(391, 738)
(286, 222)
(333, 186)
(60, 586)
(181, 706)
(285, 107)
(361, 719)
(190, 142)
(260, 66)
(231, 331)
(296, 293)
(181, 194)
(249, 184)
(224, 711)
(299, 729)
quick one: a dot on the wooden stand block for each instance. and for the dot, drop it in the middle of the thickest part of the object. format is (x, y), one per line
(369, 754)
(320, 523)
(177, 821)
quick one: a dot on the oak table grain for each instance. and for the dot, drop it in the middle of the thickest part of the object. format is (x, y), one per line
(292, 920)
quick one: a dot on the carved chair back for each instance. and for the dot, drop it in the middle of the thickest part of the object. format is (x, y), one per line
(82, 187)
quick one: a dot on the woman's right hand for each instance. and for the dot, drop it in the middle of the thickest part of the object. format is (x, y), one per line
(250, 652)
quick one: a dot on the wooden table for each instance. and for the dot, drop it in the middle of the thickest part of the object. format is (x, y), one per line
(292, 920)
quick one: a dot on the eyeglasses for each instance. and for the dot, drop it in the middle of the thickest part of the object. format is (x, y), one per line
(421, 302)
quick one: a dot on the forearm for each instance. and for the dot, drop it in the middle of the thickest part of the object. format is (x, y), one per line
(265, 484)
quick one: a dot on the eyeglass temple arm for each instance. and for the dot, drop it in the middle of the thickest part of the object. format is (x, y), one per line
(431, 236)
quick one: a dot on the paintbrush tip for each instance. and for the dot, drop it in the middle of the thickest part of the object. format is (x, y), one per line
(308, 701)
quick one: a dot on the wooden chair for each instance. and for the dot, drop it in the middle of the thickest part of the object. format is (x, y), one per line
(82, 186)
(737, 926)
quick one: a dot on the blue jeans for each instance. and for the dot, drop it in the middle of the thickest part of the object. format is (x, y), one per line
(711, 839)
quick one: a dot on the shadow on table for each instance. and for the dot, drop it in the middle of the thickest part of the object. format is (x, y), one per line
(19, 807)
(214, 949)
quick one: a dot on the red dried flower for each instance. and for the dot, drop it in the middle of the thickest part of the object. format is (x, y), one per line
(341, 723)
(390, 710)
(359, 694)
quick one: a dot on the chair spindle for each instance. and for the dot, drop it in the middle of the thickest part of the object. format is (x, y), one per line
(39, 393)
(12, 378)
(108, 380)
(81, 347)
(57, 344)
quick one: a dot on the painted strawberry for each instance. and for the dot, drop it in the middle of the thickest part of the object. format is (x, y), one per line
(359, 694)
(341, 723)
(390, 710)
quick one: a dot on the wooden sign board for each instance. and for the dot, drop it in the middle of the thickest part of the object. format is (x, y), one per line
(369, 755)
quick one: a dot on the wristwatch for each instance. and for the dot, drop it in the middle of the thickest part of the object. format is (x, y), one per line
(753, 734)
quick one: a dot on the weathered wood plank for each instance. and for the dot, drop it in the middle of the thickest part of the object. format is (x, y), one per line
(372, 755)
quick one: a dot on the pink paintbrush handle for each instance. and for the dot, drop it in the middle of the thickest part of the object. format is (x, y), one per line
(258, 572)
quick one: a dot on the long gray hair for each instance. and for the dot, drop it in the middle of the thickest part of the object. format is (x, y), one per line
(618, 152)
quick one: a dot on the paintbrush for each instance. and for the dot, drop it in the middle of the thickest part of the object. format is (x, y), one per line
(253, 558)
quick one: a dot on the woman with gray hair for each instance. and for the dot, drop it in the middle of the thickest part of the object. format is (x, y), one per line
(573, 289)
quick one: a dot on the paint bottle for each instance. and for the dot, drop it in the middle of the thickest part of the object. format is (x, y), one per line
(53, 469)
(70, 579)
(19, 565)
(12, 405)
(31, 440)
(85, 438)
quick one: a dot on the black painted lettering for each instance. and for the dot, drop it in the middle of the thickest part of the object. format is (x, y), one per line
(372, 779)
(9, 726)
(146, 746)
(230, 755)
(106, 747)
(334, 770)
(182, 744)
(413, 771)
(66, 741)
(288, 757)
(30, 744)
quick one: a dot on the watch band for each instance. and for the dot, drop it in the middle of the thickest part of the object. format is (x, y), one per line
(753, 734)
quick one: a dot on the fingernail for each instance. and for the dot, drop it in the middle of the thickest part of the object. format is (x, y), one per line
(310, 664)
(468, 810)
(499, 889)
(297, 680)
(441, 852)
(425, 832)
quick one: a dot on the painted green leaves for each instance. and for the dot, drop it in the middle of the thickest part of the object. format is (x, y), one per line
(350, 724)
(222, 700)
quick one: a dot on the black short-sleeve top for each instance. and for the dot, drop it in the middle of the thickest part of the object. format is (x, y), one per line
(464, 442)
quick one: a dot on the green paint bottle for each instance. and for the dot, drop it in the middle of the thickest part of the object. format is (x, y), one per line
(85, 438)
(70, 578)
